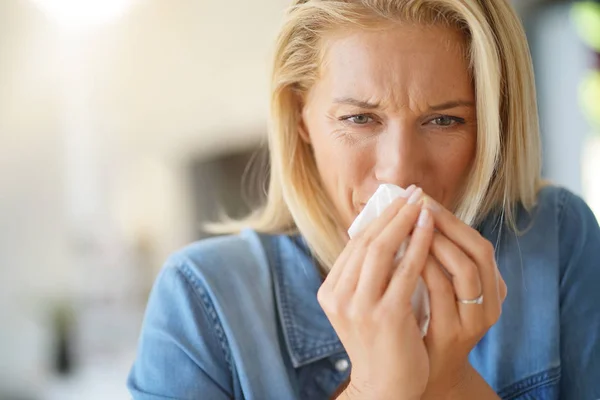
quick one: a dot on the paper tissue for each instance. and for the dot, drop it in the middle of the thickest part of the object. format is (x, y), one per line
(381, 199)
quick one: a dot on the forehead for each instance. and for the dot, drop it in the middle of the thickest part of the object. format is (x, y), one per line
(399, 64)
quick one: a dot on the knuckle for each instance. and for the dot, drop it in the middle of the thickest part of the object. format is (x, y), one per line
(356, 314)
(453, 336)
(487, 250)
(384, 312)
(492, 316)
(491, 320)
(323, 294)
(329, 303)
(335, 309)
(476, 329)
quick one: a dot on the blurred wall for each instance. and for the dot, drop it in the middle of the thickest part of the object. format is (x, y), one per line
(98, 128)
(561, 61)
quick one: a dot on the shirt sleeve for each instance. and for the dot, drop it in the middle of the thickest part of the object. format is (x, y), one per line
(579, 299)
(180, 354)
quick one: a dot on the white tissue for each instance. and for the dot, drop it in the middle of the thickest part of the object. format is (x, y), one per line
(381, 199)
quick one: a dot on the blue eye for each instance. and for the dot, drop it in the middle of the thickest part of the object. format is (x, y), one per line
(358, 119)
(446, 120)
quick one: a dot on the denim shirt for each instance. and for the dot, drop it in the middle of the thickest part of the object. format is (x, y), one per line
(236, 317)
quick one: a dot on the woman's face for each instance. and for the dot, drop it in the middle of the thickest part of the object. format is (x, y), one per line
(392, 106)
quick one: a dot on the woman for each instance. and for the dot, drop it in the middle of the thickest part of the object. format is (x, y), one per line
(433, 95)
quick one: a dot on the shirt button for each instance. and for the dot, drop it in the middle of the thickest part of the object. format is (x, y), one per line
(342, 364)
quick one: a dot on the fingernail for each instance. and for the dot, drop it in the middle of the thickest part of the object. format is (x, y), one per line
(423, 218)
(431, 204)
(415, 196)
(408, 191)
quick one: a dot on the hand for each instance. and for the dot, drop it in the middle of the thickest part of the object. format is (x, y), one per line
(469, 270)
(366, 297)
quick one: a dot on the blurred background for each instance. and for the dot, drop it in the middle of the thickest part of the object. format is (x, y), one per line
(126, 124)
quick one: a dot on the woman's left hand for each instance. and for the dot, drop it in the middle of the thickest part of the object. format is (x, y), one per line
(455, 328)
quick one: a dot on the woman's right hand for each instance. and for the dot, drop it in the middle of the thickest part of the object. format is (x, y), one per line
(366, 297)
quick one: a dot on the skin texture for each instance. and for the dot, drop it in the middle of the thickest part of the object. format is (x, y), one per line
(410, 137)
(397, 106)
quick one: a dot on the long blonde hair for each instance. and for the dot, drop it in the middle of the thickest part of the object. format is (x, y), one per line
(507, 163)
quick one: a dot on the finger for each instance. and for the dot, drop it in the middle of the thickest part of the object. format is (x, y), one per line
(479, 249)
(375, 227)
(351, 270)
(404, 280)
(380, 259)
(340, 264)
(444, 310)
(355, 247)
(463, 271)
(350, 261)
(465, 276)
(339, 288)
(467, 238)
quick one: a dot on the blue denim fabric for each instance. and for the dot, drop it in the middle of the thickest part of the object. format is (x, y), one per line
(236, 317)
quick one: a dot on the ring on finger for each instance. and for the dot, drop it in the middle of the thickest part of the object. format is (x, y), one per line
(477, 300)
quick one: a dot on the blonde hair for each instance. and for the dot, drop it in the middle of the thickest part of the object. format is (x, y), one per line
(506, 169)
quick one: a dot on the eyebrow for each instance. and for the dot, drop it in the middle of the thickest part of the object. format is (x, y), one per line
(358, 103)
(451, 104)
(370, 106)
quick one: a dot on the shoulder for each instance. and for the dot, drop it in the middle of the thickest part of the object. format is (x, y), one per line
(247, 264)
(214, 259)
(555, 232)
(216, 249)
(571, 213)
(561, 201)
(187, 319)
(579, 234)
(576, 226)
(550, 204)
(556, 210)
(198, 299)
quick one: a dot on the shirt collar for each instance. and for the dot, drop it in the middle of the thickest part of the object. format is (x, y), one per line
(308, 333)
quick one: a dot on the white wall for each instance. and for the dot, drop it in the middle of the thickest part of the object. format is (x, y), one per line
(96, 129)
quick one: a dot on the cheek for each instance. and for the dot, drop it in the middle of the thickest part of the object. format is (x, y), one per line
(452, 165)
(343, 169)
(339, 164)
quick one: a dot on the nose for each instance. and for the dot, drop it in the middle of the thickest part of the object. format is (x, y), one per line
(400, 155)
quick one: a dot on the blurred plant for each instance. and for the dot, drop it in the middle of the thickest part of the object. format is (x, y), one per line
(589, 95)
(63, 318)
(586, 18)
